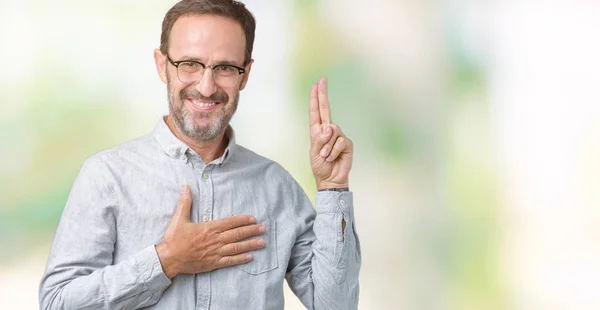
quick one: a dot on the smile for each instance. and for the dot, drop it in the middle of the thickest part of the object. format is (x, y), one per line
(202, 104)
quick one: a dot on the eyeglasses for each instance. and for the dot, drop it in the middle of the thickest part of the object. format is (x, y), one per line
(190, 71)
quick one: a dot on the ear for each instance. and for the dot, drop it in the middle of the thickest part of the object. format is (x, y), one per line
(246, 74)
(160, 60)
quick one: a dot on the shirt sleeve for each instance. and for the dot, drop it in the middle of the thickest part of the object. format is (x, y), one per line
(325, 261)
(80, 271)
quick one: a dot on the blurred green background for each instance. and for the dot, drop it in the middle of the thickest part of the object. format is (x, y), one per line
(475, 126)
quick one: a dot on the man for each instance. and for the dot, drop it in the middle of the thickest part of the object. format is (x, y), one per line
(184, 218)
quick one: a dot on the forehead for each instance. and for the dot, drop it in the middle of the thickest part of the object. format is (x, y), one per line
(208, 37)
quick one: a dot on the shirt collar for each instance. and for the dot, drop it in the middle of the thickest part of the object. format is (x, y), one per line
(175, 148)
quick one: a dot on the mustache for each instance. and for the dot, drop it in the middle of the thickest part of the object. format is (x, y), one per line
(193, 93)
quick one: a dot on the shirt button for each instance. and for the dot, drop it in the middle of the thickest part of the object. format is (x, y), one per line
(205, 175)
(205, 219)
(340, 238)
(342, 202)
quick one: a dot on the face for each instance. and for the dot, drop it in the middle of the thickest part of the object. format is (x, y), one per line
(202, 110)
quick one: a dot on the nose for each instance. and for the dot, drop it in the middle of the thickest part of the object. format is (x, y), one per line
(207, 86)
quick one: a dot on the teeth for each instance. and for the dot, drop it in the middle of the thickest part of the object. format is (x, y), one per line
(200, 104)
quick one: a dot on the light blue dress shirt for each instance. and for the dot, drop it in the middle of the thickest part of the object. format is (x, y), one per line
(104, 257)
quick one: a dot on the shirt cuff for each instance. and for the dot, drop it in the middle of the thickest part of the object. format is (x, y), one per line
(332, 202)
(154, 278)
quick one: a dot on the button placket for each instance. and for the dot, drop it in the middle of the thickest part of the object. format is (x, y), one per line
(205, 188)
(341, 203)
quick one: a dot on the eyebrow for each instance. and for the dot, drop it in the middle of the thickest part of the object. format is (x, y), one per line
(230, 63)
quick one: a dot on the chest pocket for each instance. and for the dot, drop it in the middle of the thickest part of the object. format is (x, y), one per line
(264, 259)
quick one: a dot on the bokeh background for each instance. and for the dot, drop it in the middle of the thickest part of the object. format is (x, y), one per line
(476, 126)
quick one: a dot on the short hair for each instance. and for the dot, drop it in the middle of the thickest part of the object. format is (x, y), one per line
(225, 8)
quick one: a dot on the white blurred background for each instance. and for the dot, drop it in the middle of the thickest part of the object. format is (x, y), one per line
(476, 125)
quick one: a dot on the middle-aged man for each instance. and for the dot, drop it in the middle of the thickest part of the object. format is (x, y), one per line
(184, 218)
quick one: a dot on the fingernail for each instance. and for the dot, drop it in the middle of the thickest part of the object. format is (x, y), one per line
(329, 158)
(248, 257)
(260, 242)
(262, 229)
(251, 219)
(183, 190)
(323, 152)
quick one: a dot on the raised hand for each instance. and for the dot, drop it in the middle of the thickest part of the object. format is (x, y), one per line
(330, 150)
(194, 248)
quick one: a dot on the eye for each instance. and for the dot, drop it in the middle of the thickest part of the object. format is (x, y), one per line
(189, 66)
(225, 69)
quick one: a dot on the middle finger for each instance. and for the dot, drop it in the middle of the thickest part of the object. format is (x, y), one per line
(241, 233)
(241, 247)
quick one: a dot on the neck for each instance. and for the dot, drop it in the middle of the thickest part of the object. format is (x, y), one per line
(208, 150)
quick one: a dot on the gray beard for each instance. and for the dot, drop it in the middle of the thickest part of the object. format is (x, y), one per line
(184, 120)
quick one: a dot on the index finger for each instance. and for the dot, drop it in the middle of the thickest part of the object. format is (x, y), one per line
(232, 222)
(324, 102)
(313, 110)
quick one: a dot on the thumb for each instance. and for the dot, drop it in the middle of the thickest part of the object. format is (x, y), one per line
(184, 206)
(320, 140)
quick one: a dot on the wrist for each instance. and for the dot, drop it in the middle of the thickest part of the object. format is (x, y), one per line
(321, 186)
(337, 189)
(167, 261)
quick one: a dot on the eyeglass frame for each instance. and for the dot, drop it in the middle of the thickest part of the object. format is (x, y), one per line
(204, 66)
